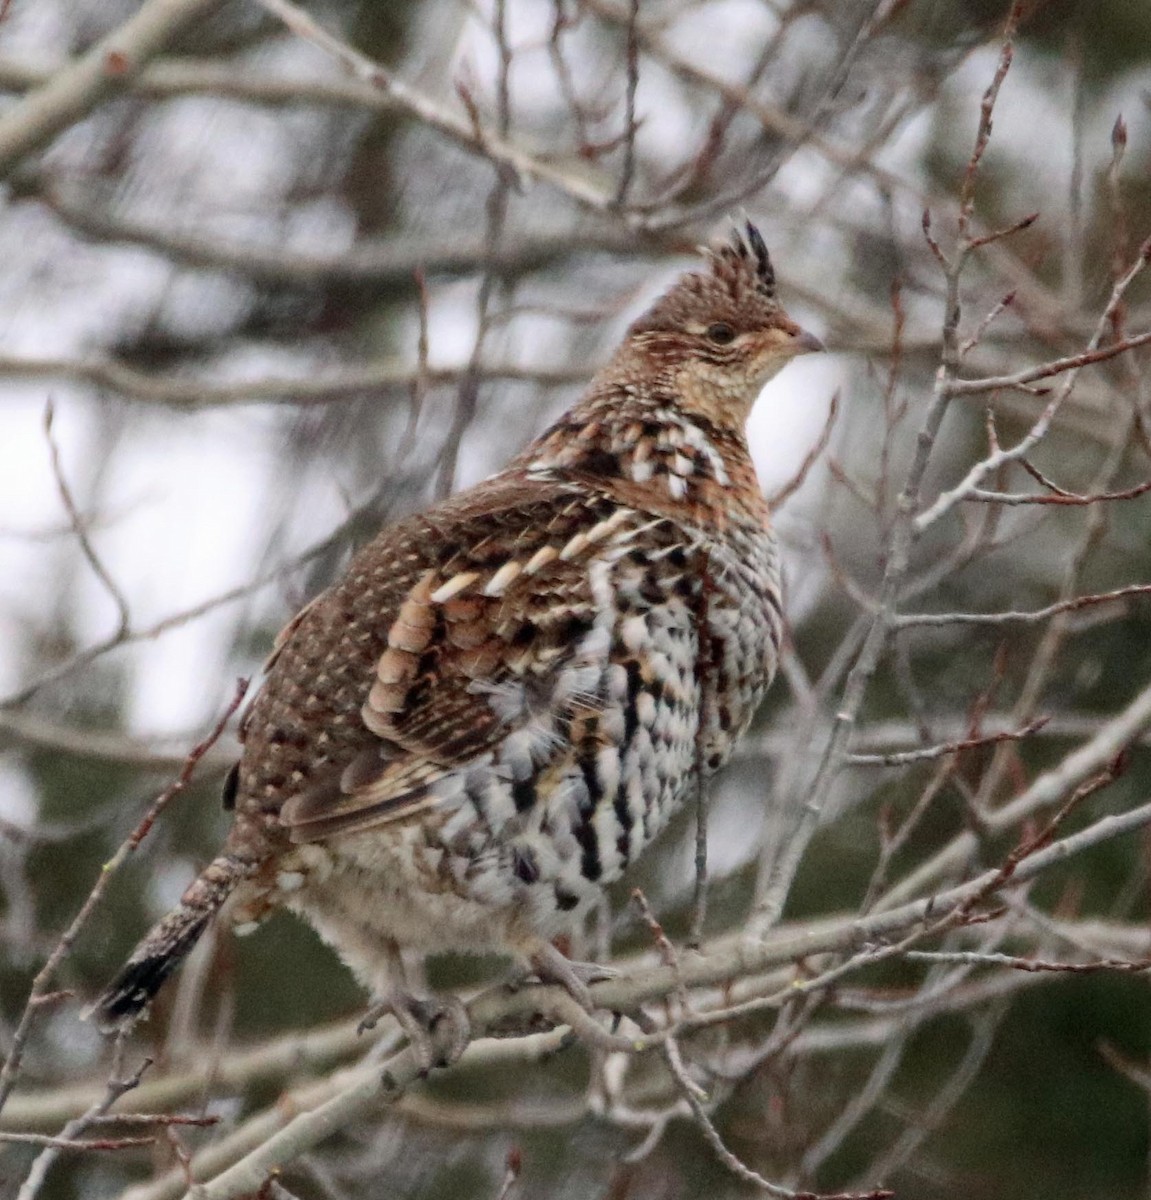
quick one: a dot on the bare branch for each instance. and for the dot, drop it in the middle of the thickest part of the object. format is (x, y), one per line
(979, 959)
(463, 132)
(975, 476)
(79, 528)
(70, 94)
(74, 1144)
(995, 383)
(177, 392)
(1057, 495)
(367, 1086)
(1008, 617)
(930, 753)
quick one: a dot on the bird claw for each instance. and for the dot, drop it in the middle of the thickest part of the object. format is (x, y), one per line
(371, 1018)
(437, 1028)
(574, 977)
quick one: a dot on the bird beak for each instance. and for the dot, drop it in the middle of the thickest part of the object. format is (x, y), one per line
(807, 343)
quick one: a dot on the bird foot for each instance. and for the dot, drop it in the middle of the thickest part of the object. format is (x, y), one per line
(574, 977)
(437, 1028)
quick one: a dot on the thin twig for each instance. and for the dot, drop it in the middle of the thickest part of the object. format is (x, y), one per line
(929, 753)
(779, 497)
(1020, 616)
(71, 1132)
(79, 1145)
(1058, 366)
(460, 130)
(1039, 430)
(1059, 497)
(631, 126)
(39, 993)
(979, 959)
(80, 528)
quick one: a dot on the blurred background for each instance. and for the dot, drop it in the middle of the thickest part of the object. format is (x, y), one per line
(255, 304)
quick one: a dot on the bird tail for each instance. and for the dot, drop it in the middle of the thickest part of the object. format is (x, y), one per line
(167, 945)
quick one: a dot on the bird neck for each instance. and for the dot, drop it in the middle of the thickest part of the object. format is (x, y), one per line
(642, 446)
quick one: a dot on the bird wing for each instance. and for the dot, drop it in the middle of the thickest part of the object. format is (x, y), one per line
(499, 601)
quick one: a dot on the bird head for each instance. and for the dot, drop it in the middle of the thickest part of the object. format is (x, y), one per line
(721, 334)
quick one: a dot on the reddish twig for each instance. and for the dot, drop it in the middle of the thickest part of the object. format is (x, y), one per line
(971, 387)
(778, 498)
(928, 753)
(1031, 965)
(513, 1165)
(912, 620)
(987, 238)
(986, 109)
(77, 1144)
(985, 322)
(1038, 841)
(158, 1119)
(979, 496)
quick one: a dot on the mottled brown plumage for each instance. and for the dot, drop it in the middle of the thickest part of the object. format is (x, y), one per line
(506, 696)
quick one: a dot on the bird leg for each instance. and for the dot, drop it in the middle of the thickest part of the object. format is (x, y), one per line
(551, 966)
(437, 1027)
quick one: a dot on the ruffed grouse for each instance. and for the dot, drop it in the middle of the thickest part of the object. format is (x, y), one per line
(505, 698)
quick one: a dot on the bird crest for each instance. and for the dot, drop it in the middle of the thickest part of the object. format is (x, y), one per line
(738, 286)
(744, 256)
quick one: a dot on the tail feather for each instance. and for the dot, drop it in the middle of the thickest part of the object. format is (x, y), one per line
(167, 945)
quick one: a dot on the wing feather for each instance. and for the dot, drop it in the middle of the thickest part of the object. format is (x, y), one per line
(478, 634)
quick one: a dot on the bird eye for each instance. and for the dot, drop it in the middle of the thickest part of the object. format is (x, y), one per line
(721, 333)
